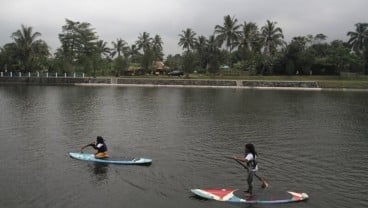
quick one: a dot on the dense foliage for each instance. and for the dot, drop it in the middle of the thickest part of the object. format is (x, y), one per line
(233, 48)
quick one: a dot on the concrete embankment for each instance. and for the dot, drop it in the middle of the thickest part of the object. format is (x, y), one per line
(246, 84)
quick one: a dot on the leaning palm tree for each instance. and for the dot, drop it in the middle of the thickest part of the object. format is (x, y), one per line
(229, 32)
(359, 38)
(271, 37)
(25, 41)
(187, 39)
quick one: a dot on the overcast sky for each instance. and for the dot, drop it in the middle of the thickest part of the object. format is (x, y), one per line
(126, 19)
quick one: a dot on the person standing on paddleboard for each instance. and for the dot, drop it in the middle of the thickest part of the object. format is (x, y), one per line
(100, 146)
(250, 156)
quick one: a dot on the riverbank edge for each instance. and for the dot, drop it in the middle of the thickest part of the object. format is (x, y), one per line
(179, 83)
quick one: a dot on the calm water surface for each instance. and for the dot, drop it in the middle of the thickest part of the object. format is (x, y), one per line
(315, 142)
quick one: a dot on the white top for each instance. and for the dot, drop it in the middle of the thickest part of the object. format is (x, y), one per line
(249, 157)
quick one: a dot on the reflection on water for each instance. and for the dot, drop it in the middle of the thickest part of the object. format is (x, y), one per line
(313, 142)
(99, 171)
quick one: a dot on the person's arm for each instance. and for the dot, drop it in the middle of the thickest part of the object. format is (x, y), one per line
(240, 159)
(91, 144)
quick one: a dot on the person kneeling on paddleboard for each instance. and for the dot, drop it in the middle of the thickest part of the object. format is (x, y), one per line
(100, 146)
(250, 159)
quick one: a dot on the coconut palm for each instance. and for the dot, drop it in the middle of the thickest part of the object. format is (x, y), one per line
(201, 48)
(102, 48)
(271, 37)
(359, 38)
(187, 39)
(134, 53)
(144, 42)
(157, 47)
(229, 32)
(26, 41)
(119, 47)
(249, 37)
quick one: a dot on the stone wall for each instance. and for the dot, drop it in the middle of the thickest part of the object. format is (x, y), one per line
(162, 82)
(193, 82)
(293, 84)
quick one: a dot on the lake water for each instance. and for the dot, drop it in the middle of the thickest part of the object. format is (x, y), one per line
(313, 142)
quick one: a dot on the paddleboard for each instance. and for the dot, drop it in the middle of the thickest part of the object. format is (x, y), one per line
(227, 195)
(91, 157)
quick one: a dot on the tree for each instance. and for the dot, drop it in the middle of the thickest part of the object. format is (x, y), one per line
(214, 54)
(78, 45)
(120, 47)
(249, 38)
(229, 33)
(144, 43)
(187, 39)
(157, 48)
(29, 50)
(201, 47)
(359, 38)
(271, 37)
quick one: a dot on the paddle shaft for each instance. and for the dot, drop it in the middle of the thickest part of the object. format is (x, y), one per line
(247, 169)
(264, 182)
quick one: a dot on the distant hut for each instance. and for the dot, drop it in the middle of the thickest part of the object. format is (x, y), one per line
(159, 67)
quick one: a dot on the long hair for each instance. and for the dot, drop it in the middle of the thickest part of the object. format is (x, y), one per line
(100, 139)
(250, 147)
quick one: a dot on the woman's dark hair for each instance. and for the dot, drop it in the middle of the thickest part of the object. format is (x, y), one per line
(100, 139)
(251, 148)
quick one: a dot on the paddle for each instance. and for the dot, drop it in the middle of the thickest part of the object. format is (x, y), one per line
(264, 182)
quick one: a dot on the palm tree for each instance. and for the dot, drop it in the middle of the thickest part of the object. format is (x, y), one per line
(229, 32)
(214, 53)
(272, 37)
(144, 42)
(249, 37)
(102, 48)
(359, 38)
(157, 47)
(134, 53)
(25, 41)
(201, 48)
(187, 39)
(119, 47)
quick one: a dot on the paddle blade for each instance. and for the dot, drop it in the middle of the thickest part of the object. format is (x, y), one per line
(264, 184)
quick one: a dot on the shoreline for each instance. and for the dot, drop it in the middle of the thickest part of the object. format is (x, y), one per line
(177, 83)
(223, 87)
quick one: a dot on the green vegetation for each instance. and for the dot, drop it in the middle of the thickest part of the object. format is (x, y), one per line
(234, 50)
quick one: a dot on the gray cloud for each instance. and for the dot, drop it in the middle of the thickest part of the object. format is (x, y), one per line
(125, 19)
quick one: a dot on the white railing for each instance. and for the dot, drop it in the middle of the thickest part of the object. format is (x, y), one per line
(40, 74)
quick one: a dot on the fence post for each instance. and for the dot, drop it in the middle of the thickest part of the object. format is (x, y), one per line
(56, 74)
(47, 74)
(83, 75)
(20, 74)
(29, 74)
(64, 75)
(11, 74)
(74, 75)
(38, 74)
(1, 74)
